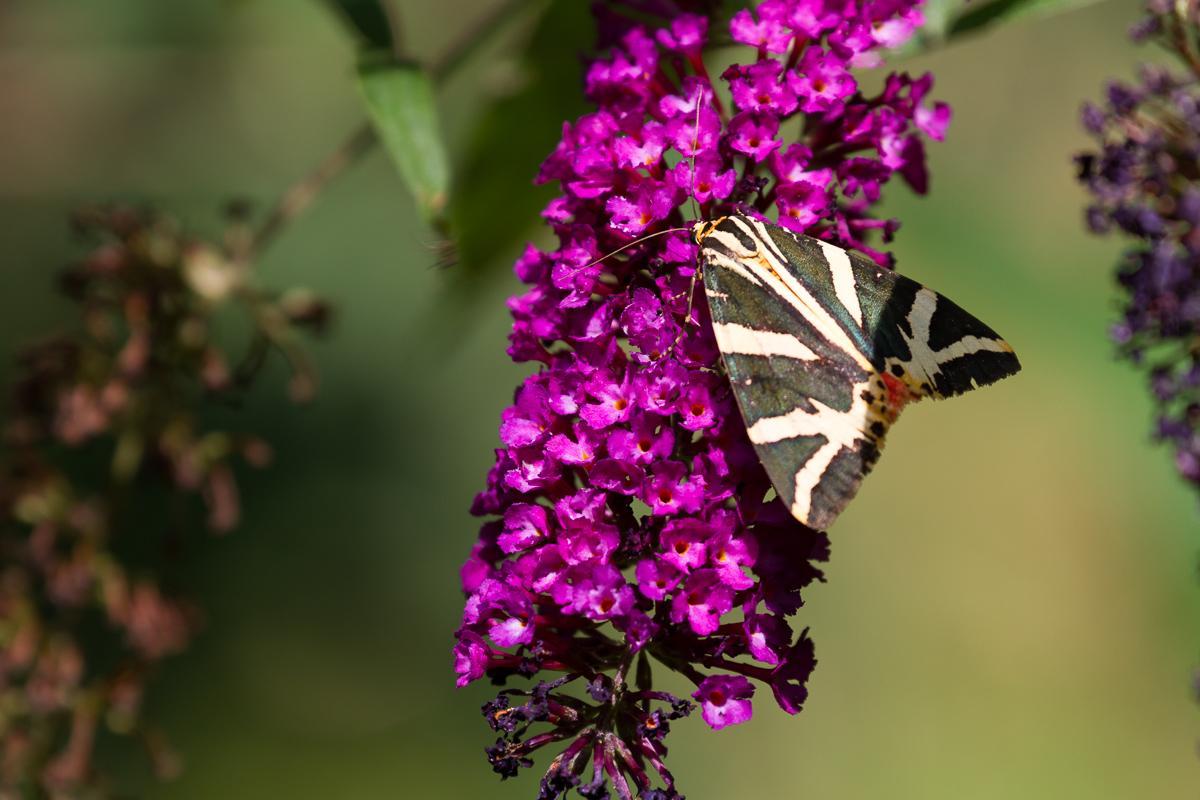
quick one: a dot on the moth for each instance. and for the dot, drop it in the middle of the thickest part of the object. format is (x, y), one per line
(824, 348)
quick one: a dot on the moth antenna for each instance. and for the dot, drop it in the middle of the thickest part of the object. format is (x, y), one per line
(636, 241)
(687, 317)
(695, 146)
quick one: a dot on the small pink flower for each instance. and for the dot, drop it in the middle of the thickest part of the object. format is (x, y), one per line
(725, 700)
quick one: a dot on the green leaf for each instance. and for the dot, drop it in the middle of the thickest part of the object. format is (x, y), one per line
(399, 99)
(981, 16)
(495, 203)
(367, 19)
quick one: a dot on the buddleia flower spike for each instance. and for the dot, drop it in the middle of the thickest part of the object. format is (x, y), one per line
(630, 525)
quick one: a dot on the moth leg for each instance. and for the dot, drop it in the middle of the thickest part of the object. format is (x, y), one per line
(687, 317)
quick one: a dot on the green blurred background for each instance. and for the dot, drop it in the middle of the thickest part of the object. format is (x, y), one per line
(1012, 603)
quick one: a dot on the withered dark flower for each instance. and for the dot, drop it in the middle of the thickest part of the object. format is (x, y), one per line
(1144, 178)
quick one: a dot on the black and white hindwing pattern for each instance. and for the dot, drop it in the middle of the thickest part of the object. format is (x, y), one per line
(823, 348)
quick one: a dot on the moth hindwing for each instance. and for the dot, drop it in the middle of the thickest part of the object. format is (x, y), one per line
(823, 349)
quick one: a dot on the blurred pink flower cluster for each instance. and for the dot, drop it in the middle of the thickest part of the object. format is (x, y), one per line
(104, 457)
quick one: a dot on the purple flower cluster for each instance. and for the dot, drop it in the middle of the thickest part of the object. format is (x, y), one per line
(630, 520)
(96, 418)
(1144, 178)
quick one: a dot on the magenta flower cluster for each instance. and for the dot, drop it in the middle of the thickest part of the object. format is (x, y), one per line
(629, 519)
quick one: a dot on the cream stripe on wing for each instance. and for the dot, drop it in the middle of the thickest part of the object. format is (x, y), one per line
(794, 293)
(841, 429)
(772, 271)
(733, 338)
(840, 426)
(919, 318)
(764, 240)
(807, 478)
(844, 284)
(719, 259)
(929, 361)
(969, 345)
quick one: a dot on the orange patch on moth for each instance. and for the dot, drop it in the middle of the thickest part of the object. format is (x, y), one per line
(898, 393)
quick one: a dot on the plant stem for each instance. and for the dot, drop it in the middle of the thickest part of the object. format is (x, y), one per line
(458, 52)
(1183, 42)
(300, 195)
(392, 12)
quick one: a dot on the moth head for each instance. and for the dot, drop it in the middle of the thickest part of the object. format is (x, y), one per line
(702, 229)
